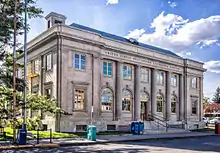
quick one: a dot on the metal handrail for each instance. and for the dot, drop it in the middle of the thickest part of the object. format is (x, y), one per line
(159, 120)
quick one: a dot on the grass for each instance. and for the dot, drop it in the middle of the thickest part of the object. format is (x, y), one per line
(42, 134)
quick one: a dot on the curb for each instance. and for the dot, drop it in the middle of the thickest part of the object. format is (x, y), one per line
(13, 147)
(132, 140)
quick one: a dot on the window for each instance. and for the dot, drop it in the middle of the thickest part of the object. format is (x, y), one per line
(144, 75)
(79, 61)
(49, 62)
(35, 66)
(107, 68)
(144, 100)
(159, 103)
(107, 99)
(81, 128)
(160, 77)
(127, 71)
(174, 80)
(194, 82)
(126, 100)
(79, 99)
(194, 106)
(48, 93)
(173, 104)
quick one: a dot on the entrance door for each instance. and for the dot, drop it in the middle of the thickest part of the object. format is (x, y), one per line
(144, 115)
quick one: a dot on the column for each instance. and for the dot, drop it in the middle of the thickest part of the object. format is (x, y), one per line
(118, 91)
(137, 93)
(168, 96)
(181, 99)
(96, 86)
(201, 98)
(153, 92)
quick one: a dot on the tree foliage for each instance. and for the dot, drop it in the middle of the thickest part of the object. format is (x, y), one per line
(7, 8)
(216, 96)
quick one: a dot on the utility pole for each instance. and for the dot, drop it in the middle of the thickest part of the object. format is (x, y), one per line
(14, 72)
(25, 66)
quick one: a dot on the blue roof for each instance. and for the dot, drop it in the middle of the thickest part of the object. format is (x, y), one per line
(122, 39)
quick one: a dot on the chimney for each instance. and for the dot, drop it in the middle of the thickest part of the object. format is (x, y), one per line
(55, 18)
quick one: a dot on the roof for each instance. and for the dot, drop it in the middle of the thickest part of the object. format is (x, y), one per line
(122, 39)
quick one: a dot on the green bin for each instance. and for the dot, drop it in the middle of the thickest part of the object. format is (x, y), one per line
(91, 133)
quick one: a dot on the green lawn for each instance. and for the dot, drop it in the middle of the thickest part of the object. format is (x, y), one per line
(42, 134)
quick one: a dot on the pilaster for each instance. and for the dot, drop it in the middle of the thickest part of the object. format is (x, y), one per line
(118, 108)
(137, 93)
(168, 95)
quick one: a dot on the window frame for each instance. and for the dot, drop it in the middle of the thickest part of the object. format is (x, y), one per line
(194, 86)
(158, 77)
(194, 101)
(79, 60)
(84, 100)
(144, 74)
(122, 101)
(175, 104)
(174, 82)
(111, 104)
(162, 103)
(126, 72)
(51, 62)
(107, 68)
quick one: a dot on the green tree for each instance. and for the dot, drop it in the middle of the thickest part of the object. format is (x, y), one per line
(205, 100)
(216, 96)
(7, 8)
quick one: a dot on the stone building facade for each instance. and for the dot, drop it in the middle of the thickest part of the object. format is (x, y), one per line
(109, 81)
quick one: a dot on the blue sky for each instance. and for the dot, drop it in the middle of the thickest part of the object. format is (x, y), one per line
(191, 28)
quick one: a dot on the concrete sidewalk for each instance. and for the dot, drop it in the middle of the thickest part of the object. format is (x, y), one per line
(106, 139)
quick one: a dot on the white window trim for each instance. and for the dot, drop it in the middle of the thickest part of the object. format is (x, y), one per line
(80, 60)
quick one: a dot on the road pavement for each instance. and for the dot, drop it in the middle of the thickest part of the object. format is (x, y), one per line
(209, 144)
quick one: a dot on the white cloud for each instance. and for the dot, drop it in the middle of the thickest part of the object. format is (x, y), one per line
(111, 2)
(175, 33)
(212, 66)
(206, 43)
(136, 33)
(172, 4)
(188, 53)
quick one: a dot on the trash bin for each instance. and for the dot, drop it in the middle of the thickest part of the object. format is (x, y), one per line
(217, 128)
(91, 133)
(21, 137)
(134, 127)
(141, 127)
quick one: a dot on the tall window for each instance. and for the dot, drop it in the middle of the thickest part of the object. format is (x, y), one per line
(107, 68)
(79, 61)
(126, 100)
(160, 77)
(79, 99)
(107, 99)
(49, 62)
(144, 75)
(35, 66)
(127, 71)
(174, 80)
(194, 82)
(194, 102)
(159, 103)
(173, 104)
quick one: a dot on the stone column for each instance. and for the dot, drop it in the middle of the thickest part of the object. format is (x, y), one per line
(96, 86)
(201, 98)
(137, 93)
(181, 98)
(168, 95)
(118, 91)
(153, 92)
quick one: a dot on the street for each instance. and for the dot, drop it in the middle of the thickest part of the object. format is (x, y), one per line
(189, 145)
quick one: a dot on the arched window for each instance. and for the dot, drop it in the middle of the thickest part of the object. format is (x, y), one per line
(159, 103)
(173, 104)
(126, 100)
(107, 99)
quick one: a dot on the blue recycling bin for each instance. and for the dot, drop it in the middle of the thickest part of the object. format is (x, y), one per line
(21, 137)
(91, 133)
(137, 127)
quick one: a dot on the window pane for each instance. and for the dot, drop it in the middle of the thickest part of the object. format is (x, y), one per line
(126, 101)
(107, 99)
(82, 62)
(79, 99)
(76, 61)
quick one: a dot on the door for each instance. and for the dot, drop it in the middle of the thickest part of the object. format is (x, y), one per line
(144, 114)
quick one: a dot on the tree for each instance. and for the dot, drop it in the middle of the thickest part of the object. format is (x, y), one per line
(7, 8)
(34, 102)
(216, 96)
(205, 100)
